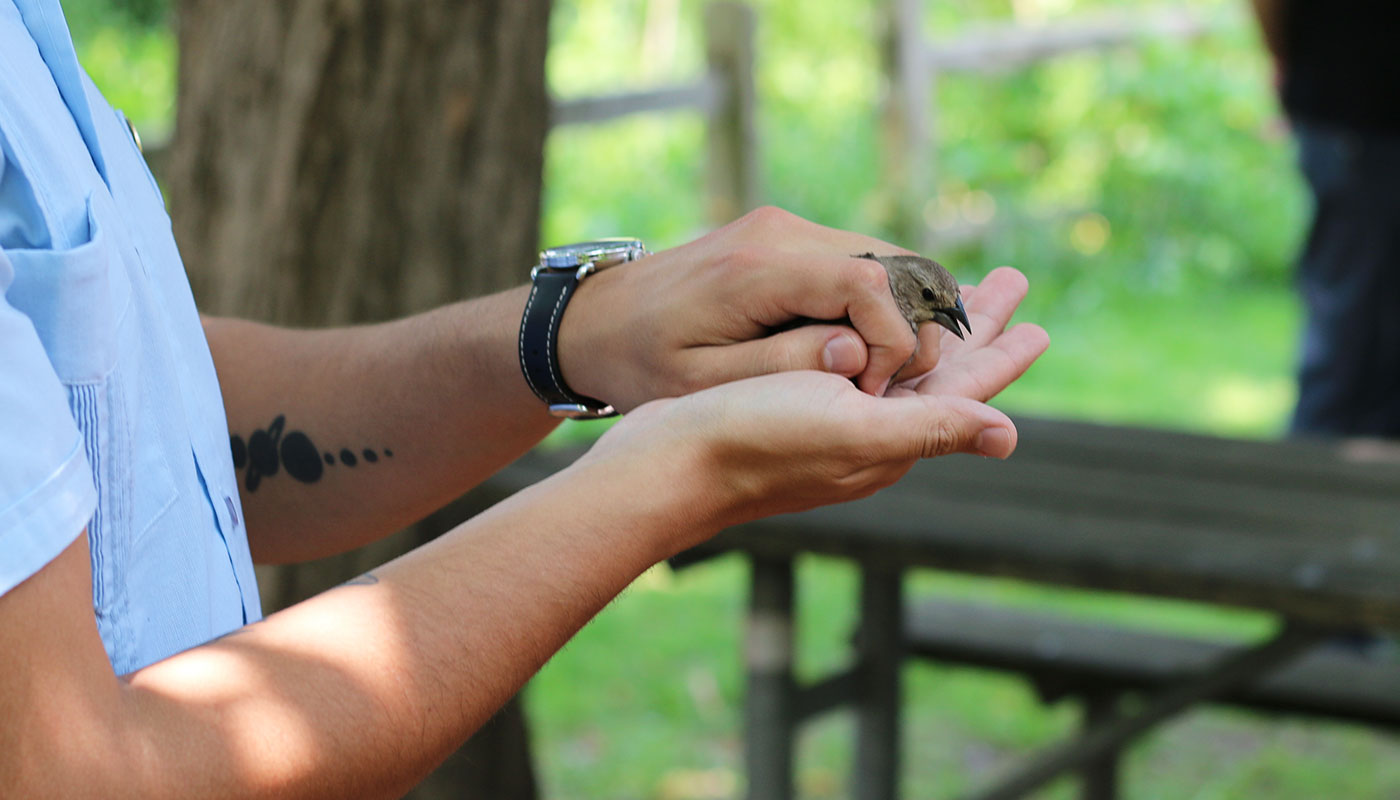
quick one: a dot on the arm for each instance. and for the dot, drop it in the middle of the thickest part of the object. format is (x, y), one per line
(443, 393)
(359, 691)
(436, 400)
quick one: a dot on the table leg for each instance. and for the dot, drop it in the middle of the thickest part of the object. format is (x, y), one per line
(769, 714)
(880, 654)
(1243, 668)
(1100, 776)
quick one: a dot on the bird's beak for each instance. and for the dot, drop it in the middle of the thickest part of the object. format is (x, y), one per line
(950, 317)
(960, 314)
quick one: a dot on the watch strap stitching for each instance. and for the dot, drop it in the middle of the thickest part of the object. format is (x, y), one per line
(551, 339)
(520, 346)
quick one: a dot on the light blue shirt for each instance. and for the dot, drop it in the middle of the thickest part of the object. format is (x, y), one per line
(110, 412)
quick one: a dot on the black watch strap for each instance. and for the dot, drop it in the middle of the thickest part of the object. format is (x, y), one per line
(539, 346)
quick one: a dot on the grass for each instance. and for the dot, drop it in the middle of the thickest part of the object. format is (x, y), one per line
(647, 703)
(1218, 361)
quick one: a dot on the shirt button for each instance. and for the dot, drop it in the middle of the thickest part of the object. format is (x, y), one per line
(135, 137)
(232, 511)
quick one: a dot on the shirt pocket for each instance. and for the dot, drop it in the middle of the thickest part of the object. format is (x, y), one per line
(81, 303)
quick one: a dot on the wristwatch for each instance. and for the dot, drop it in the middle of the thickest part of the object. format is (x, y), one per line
(558, 274)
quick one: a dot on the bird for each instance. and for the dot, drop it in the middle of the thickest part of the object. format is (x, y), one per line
(924, 291)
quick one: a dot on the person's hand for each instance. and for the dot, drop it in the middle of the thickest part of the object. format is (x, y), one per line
(704, 314)
(991, 357)
(796, 440)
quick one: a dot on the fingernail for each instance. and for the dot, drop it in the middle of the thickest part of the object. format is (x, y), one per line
(993, 442)
(841, 356)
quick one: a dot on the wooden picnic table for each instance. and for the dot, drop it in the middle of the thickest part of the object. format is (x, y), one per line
(1309, 531)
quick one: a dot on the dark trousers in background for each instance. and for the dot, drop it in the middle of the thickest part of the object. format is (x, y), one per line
(1349, 276)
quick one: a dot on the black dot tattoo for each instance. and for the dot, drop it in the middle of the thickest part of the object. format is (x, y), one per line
(240, 451)
(301, 457)
(268, 450)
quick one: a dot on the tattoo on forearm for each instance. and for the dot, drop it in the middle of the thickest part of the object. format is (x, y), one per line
(367, 579)
(267, 451)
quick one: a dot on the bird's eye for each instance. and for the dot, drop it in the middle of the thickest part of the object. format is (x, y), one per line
(928, 294)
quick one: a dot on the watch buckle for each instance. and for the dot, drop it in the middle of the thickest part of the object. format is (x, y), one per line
(580, 411)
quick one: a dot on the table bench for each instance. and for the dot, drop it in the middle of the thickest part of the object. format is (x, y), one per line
(1064, 657)
(1097, 665)
(1308, 531)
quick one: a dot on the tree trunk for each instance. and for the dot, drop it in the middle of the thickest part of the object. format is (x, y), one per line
(343, 161)
(349, 160)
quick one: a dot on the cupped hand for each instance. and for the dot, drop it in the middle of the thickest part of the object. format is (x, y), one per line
(705, 313)
(796, 440)
(992, 356)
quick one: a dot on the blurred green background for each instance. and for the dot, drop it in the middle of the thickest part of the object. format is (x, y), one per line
(1149, 194)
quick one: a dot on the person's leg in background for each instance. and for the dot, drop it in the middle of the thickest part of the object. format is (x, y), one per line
(1349, 277)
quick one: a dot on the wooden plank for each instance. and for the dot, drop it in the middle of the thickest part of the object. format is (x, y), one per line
(732, 142)
(881, 654)
(1236, 669)
(826, 695)
(909, 124)
(769, 707)
(1354, 466)
(1301, 528)
(1315, 582)
(1073, 655)
(704, 95)
(1182, 498)
(1098, 779)
(1005, 47)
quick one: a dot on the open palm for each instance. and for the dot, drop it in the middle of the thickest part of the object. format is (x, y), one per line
(992, 356)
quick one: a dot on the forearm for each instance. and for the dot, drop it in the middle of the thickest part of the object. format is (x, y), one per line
(360, 691)
(345, 435)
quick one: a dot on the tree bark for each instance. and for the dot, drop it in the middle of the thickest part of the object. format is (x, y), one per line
(341, 161)
(350, 160)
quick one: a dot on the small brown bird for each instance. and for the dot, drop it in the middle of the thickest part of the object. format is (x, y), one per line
(924, 291)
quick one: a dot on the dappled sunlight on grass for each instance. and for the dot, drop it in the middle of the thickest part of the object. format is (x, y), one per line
(1236, 402)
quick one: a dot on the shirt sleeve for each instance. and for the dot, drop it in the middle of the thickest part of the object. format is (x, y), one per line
(47, 495)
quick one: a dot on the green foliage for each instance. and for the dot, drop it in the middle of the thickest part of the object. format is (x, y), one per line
(1136, 187)
(129, 50)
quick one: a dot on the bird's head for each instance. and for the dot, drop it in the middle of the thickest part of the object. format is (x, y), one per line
(925, 292)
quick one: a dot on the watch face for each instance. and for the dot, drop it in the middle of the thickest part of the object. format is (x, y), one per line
(603, 252)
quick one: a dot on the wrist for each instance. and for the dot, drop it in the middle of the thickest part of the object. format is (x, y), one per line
(659, 472)
(590, 334)
(562, 271)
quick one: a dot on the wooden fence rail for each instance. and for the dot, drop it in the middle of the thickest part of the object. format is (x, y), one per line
(725, 95)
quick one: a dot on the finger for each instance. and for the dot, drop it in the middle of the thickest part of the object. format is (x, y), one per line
(829, 288)
(992, 303)
(872, 311)
(927, 427)
(926, 356)
(981, 374)
(786, 231)
(826, 348)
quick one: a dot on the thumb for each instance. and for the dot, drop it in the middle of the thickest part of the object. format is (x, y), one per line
(938, 425)
(826, 348)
